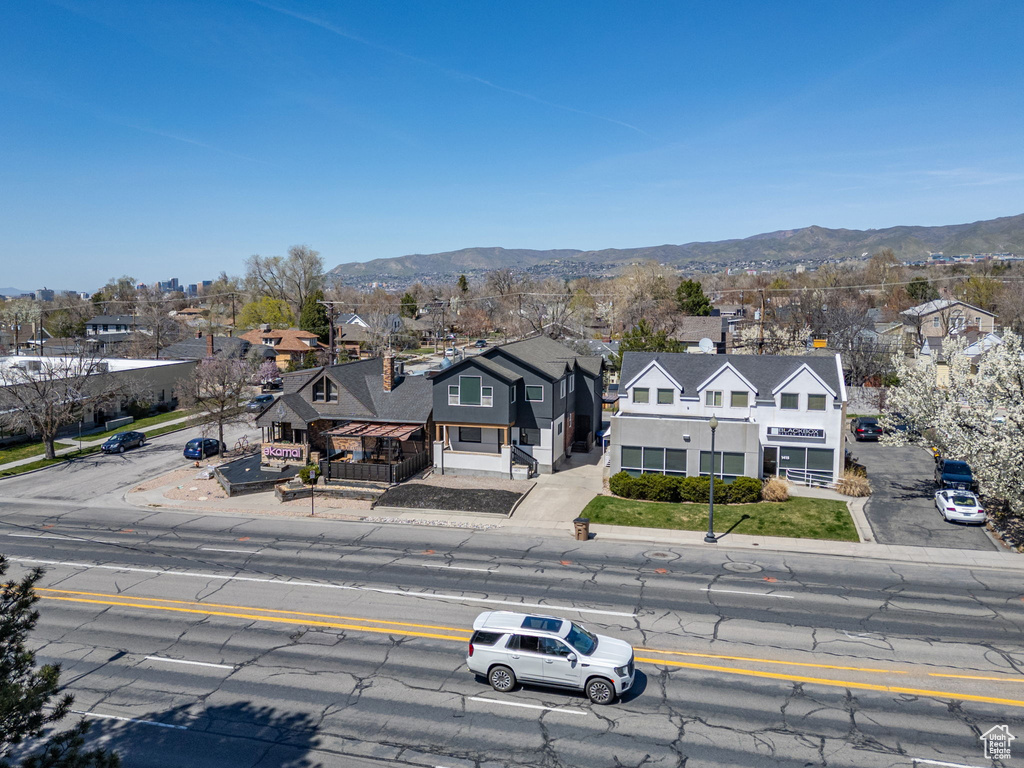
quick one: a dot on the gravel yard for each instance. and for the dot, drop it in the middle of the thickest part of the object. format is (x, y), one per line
(453, 493)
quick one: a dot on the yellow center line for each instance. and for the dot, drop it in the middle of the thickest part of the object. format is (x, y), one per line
(249, 608)
(771, 661)
(838, 683)
(979, 677)
(394, 627)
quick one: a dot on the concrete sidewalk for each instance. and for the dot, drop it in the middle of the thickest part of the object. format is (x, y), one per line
(89, 443)
(557, 499)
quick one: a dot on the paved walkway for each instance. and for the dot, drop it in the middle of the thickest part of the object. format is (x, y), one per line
(558, 498)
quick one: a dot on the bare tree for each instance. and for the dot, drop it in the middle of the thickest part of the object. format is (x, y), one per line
(220, 386)
(15, 314)
(291, 279)
(154, 327)
(378, 312)
(44, 395)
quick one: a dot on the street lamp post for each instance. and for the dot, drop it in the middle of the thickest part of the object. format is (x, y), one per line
(312, 490)
(710, 538)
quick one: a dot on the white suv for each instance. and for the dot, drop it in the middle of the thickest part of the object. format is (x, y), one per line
(507, 647)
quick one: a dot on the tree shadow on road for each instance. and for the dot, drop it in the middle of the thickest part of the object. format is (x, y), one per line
(239, 734)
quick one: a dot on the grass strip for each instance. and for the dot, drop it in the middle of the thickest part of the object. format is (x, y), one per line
(24, 450)
(23, 468)
(160, 418)
(800, 518)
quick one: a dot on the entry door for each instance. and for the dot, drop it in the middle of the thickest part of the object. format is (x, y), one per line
(771, 461)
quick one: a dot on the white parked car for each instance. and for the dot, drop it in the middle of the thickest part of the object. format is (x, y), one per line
(959, 506)
(545, 650)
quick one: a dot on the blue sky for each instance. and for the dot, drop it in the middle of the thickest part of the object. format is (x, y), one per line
(163, 139)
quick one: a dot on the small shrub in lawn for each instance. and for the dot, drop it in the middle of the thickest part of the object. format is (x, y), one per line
(852, 484)
(621, 484)
(691, 488)
(661, 488)
(744, 490)
(775, 489)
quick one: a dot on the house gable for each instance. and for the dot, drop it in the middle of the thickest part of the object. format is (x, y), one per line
(726, 377)
(804, 379)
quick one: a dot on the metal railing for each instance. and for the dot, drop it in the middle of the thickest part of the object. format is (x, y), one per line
(814, 478)
(519, 456)
(375, 473)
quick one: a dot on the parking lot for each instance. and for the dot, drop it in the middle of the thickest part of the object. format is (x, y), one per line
(901, 508)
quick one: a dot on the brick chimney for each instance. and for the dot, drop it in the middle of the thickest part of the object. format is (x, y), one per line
(389, 370)
(209, 345)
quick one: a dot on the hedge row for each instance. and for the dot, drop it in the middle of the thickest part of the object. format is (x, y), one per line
(695, 490)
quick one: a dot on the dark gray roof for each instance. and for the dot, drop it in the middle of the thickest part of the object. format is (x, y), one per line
(361, 395)
(546, 355)
(496, 368)
(223, 346)
(765, 372)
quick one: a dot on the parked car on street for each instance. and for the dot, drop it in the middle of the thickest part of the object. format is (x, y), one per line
(258, 403)
(451, 352)
(122, 441)
(480, 343)
(954, 474)
(866, 428)
(959, 506)
(201, 447)
(509, 647)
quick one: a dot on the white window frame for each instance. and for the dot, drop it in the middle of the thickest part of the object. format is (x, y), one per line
(572, 379)
(784, 394)
(732, 396)
(453, 394)
(824, 401)
(513, 390)
(534, 386)
(486, 400)
(561, 389)
(711, 396)
(671, 396)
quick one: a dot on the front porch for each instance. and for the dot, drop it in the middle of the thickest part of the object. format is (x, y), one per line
(374, 452)
(482, 450)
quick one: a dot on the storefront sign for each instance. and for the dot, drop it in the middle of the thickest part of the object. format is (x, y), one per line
(796, 432)
(284, 453)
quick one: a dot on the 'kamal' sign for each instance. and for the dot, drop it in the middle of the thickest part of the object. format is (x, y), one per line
(284, 453)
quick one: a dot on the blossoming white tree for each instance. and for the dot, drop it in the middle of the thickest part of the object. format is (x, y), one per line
(976, 416)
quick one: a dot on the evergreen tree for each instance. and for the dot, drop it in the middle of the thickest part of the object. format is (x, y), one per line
(463, 284)
(26, 691)
(313, 317)
(409, 307)
(643, 338)
(691, 300)
(921, 291)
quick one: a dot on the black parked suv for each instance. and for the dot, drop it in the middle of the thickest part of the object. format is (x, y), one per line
(866, 428)
(954, 474)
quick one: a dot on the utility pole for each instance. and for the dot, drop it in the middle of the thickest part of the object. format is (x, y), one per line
(760, 327)
(232, 310)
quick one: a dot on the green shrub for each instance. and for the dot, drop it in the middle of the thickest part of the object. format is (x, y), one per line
(744, 490)
(304, 472)
(621, 484)
(693, 490)
(661, 488)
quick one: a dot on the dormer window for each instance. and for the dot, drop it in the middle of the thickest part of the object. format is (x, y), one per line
(739, 399)
(789, 401)
(713, 398)
(325, 391)
(641, 395)
(664, 397)
(816, 402)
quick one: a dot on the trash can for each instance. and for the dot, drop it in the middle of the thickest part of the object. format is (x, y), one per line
(582, 528)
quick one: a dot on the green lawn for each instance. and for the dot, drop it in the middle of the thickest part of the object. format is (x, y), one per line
(800, 517)
(24, 450)
(160, 418)
(47, 462)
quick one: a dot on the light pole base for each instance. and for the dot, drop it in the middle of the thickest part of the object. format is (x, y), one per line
(710, 539)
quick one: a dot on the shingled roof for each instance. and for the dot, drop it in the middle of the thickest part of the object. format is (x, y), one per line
(547, 356)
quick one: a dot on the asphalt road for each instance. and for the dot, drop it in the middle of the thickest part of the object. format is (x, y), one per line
(228, 641)
(901, 508)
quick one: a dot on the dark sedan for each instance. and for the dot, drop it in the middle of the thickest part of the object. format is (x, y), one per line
(866, 428)
(201, 447)
(122, 441)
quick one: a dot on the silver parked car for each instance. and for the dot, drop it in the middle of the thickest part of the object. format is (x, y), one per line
(508, 647)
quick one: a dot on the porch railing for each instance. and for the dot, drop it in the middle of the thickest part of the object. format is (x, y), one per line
(814, 478)
(375, 473)
(521, 457)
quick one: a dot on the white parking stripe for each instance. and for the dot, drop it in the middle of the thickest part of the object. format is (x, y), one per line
(566, 710)
(738, 592)
(284, 583)
(240, 551)
(922, 761)
(456, 567)
(128, 720)
(195, 663)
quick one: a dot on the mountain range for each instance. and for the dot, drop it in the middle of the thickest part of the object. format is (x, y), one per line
(788, 246)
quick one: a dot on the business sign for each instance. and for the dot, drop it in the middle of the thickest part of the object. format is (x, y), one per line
(796, 432)
(819, 343)
(284, 453)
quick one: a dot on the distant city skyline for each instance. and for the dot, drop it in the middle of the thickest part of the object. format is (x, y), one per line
(150, 139)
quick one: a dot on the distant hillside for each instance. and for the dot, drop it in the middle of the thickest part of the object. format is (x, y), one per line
(810, 244)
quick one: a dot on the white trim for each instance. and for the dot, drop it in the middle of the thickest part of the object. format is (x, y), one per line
(727, 366)
(653, 364)
(805, 367)
(842, 380)
(527, 393)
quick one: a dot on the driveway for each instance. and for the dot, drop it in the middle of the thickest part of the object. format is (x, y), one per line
(901, 508)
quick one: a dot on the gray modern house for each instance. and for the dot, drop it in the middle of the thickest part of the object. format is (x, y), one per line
(516, 409)
(776, 415)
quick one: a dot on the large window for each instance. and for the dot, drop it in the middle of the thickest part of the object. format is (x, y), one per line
(739, 399)
(470, 434)
(470, 392)
(325, 391)
(637, 460)
(713, 398)
(534, 393)
(728, 466)
(664, 397)
(789, 401)
(816, 402)
(641, 395)
(816, 460)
